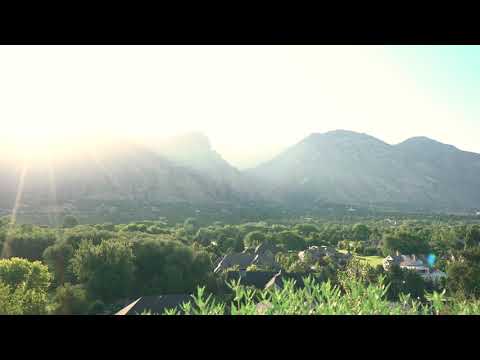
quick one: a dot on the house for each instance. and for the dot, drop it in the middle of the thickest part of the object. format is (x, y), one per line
(277, 281)
(317, 253)
(413, 263)
(155, 304)
(242, 260)
(403, 261)
(263, 255)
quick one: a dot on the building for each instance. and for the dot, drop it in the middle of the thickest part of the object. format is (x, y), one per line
(413, 263)
(263, 255)
(317, 253)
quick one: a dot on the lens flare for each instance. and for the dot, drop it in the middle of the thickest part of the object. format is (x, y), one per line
(431, 258)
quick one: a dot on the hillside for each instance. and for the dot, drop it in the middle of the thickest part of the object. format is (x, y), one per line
(106, 173)
(353, 168)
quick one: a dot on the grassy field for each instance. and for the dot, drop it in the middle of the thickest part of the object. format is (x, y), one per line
(372, 260)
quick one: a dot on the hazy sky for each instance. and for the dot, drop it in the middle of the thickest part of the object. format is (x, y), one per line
(252, 101)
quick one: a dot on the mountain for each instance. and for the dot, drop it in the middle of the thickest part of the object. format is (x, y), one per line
(353, 168)
(193, 150)
(107, 172)
(337, 167)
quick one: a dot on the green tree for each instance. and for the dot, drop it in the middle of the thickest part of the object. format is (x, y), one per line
(58, 257)
(191, 225)
(253, 239)
(107, 269)
(70, 221)
(292, 241)
(306, 229)
(8, 303)
(463, 275)
(166, 266)
(29, 242)
(405, 242)
(472, 237)
(27, 283)
(361, 232)
(71, 300)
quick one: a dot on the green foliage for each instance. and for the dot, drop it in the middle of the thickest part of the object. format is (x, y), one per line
(191, 225)
(361, 232)
(58, 257)
(306, 229)
(70, 221)
(71, 300)
(292, 241)
(28, 242)
(463, 275)
(405, 242)
(253, 239)
(107, 269)
(24, 285)
(472, 237)
(16, 271)
(164, 266)
(8, 303)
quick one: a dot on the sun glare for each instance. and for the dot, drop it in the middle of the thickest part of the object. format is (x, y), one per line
(38, 145)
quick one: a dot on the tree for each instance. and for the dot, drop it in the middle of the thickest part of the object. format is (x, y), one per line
(29, 242)
(167, 266)
(107, 269)
(27, 283)
(472, 237)
(292, 241)
(253, 239)
(463, 275)
(306, 229)
(205, 236)
(57, 258)
(191, 225)
(8, 303)
(70, 221)
(405, 242)
(71, 300)
(405, 282)
(361, 232)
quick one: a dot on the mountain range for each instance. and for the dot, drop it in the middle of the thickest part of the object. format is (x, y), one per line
(354, 168)
(339, 166)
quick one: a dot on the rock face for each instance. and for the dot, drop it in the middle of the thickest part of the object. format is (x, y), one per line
(352, 168)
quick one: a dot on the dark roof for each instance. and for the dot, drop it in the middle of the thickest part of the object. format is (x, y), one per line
(279, 278)
(257, 279)
(155, 304)
(242, 260)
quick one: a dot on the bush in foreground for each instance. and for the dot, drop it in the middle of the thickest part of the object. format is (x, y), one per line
(356, 298)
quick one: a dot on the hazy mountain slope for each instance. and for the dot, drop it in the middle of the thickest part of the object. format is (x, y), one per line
(349, 167)
(109, 172)
(452, 176)
(193, 150)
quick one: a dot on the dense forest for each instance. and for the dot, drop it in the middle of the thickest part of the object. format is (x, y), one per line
(99, 268)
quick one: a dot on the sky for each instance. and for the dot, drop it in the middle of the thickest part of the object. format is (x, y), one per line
(251, 101)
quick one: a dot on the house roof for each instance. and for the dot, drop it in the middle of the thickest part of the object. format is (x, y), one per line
(257, 279)
(280, 277)
(155, 304)
(243, 260)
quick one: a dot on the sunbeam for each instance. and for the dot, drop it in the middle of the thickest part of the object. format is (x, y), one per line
(18, 198)
(52, 213)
